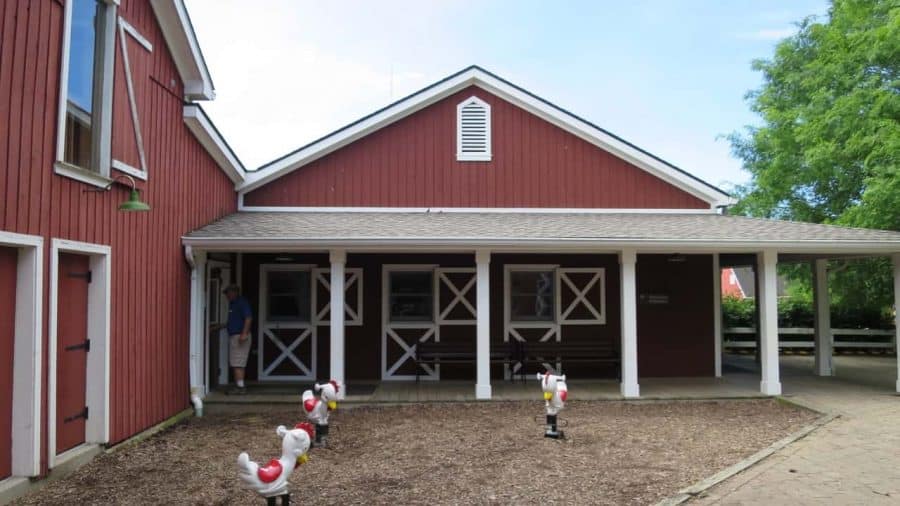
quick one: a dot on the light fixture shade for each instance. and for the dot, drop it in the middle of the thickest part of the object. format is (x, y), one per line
(134, 202)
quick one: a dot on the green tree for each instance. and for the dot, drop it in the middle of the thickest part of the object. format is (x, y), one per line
(828, 147)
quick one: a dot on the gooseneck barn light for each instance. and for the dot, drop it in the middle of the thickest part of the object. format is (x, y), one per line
(134, 202)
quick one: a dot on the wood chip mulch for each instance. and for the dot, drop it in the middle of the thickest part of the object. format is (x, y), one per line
(615, 453)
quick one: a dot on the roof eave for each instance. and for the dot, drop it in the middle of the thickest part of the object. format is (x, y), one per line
(559, 245)
(181, 40)
(209, 137)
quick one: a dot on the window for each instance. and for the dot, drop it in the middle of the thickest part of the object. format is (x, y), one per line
(532, 295)
(473, 130)
(288, 297)
(411, 296)
(86, 90)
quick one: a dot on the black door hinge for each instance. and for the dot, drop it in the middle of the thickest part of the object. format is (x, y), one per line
(86, 346)
(82, 414)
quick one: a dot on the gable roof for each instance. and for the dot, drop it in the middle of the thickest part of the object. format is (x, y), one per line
(178, 31)
(520, 97)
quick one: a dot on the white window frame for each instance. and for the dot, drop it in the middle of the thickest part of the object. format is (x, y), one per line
(27, 357)
(96, 430)
(101, 147)
(474, 157)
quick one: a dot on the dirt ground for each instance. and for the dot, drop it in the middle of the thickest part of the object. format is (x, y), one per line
(615, 453)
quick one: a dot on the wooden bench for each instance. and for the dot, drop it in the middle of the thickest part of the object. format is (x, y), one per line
(433, 353)
(573, 353)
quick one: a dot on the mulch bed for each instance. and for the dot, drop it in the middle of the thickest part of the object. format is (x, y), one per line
(615, 453)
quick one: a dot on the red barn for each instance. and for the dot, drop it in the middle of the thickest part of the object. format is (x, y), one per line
(470, 231)
(475, 231)
(95, 343)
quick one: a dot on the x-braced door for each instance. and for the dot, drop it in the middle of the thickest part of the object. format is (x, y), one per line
(287, 344)
(416, 301)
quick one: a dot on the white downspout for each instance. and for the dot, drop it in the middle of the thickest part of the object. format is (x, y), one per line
(195, 315)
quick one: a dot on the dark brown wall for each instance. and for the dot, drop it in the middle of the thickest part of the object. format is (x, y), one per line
(675, 339)
(412, 163)
(363, 343)
(150, 278)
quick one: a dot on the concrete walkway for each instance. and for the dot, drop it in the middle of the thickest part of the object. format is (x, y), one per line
(855, 459)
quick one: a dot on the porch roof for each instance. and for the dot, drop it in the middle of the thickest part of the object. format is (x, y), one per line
(249, 230)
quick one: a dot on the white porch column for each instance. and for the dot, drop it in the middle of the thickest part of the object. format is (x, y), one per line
(628, 283)
(822, 304)
(483, 325)
(896, 258)
(197, 260)
(767, 299)
(717, 314)
(338, 260)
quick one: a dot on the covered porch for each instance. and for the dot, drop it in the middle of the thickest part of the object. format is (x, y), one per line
(459, 306)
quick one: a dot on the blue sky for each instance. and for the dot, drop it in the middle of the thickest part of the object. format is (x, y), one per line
(668, 76)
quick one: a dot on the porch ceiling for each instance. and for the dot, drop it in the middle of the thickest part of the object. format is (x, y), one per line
(689, 231)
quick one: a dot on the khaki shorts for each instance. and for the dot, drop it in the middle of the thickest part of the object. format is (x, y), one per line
(238, 352)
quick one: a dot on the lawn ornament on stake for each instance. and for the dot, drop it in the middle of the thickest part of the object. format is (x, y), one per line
(317, 409)
(271, 480)
(555, 394)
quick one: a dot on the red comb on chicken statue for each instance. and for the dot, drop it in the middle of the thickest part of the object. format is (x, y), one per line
(317, 408)
(271, 480)
(555, 394)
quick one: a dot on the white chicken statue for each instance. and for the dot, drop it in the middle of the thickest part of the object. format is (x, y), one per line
(271, 480)
(317, 408)
(555, 394)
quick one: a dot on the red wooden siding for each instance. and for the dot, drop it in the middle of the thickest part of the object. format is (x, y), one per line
(412, 163)
(8, 261)
(150, 278)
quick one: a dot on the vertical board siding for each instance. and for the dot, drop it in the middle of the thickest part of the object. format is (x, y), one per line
(8, 264)
(150, 278)
(412, 163)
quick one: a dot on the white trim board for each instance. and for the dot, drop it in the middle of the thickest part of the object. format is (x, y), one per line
(27, 353)
(99, 301)
(178, 32)
(507, 91)
(493, 210)
(549, 244)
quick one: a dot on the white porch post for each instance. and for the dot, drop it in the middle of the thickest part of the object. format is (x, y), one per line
(768, 321)
(338, 260)
(197, 260)
(483, 318)
(627, 273)
(717, 314)
(896, 258)
(822, 303)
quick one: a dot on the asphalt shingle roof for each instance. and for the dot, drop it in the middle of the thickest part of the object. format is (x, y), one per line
(326, 226)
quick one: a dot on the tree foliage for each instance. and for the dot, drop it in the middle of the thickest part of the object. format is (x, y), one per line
(828, 148)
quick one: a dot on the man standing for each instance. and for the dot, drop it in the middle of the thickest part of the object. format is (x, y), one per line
(239, 319)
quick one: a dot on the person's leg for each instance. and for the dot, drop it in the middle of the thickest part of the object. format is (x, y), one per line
(237, 358)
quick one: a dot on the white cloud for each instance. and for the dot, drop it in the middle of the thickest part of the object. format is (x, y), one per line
(768, 34)
(275, 89)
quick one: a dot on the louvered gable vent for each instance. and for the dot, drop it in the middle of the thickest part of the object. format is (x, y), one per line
(473, 130)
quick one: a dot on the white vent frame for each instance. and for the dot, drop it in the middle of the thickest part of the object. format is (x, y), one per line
(473, 156)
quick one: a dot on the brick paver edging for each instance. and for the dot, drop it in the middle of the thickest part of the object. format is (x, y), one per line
(686, 494)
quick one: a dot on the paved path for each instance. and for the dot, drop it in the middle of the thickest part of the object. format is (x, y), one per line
(853, 460)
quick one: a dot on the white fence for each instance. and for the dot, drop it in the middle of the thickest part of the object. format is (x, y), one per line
(880, 339)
